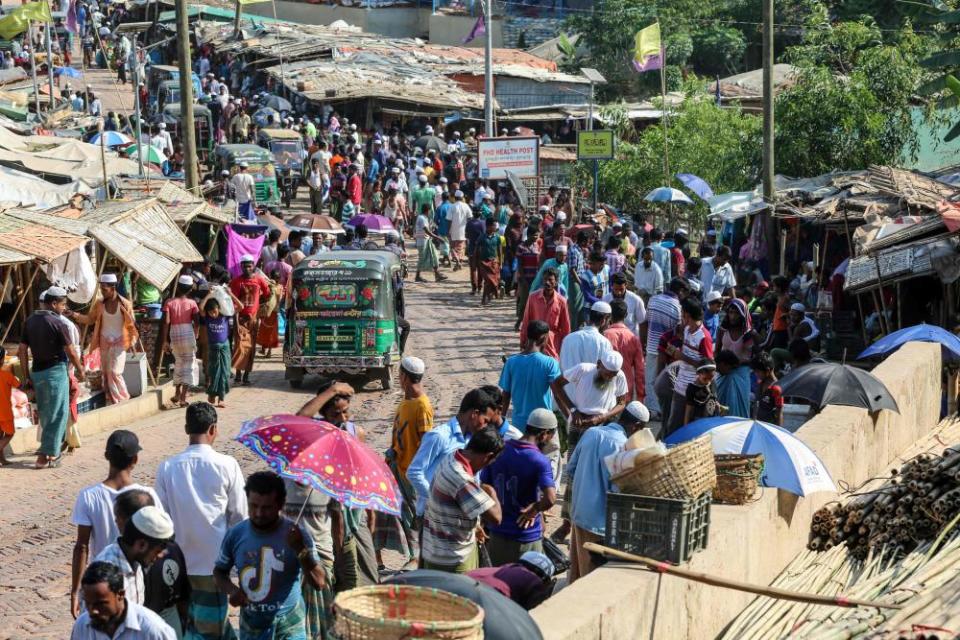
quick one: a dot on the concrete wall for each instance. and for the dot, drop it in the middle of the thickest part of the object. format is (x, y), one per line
(448, 29)
(754, 542)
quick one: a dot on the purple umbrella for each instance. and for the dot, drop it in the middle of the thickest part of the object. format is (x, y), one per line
(372, 222)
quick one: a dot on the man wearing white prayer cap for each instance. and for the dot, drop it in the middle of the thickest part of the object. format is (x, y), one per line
(46, 337)
(114, 332)
(590, 479)
(178, 336)
(250, 287)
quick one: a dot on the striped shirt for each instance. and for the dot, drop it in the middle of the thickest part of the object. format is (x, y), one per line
(697, 345)
(616, 261)
(575, 261)
(528, 261)
(453, 512)
(663, 314)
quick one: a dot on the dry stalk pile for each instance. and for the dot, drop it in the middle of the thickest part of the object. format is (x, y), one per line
(919, 498)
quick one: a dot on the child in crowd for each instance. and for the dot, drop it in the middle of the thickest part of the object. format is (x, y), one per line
(769, 393)
(217, 328)
(702, 394)
(8, 382)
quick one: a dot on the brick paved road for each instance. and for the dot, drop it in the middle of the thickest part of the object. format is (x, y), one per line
(461, 343)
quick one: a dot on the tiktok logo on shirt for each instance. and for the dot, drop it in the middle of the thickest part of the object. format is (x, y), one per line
(256, 580)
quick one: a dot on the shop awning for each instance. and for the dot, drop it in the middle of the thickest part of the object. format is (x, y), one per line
(155, 268)
(46, 243)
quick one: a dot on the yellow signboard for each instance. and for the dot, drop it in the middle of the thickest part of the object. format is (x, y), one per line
(595, 145)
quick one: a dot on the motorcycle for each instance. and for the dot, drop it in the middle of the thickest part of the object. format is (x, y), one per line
(289, 183)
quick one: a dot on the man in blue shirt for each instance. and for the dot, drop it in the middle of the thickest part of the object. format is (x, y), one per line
(270, 553)
(661, 255)
(591, 482)
(523, 478)
(476, 410)
(527, 377)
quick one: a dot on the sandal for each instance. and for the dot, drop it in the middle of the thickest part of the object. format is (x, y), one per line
(50, 463)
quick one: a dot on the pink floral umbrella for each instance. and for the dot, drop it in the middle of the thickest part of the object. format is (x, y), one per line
(318, 454)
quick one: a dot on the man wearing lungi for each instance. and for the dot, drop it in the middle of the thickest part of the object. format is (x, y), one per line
(114, 332)
(46, 338)
(249, 287)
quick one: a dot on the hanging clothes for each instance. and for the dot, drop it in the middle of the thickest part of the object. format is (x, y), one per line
(239, 244)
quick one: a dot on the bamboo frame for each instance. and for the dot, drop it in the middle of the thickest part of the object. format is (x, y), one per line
(760, 590)
(23, 299)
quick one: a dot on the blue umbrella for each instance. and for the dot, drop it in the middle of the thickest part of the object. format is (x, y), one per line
(696, 184)
(918, 333)
(111, 139)
(667, 194)
(69, 72)
(789, 464)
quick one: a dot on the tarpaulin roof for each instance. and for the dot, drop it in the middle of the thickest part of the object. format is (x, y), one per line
(23, 189)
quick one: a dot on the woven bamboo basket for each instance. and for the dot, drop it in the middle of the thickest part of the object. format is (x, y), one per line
(737, 476)
(687, 471)
(395, 612)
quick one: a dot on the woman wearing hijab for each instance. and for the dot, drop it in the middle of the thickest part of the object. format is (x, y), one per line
(737, 342)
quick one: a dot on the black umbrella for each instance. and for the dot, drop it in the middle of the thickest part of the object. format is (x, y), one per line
(276, 102)
(832, 383)
(503, 619)
(431, 142)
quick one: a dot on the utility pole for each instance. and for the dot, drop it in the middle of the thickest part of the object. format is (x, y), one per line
(33, 69)
(488, 68)
(236, 19)
(769, 196)
(190, 171)
(136, 106)
(48, 30)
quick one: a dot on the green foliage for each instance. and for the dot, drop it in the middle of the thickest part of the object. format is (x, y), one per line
(718, 50)
(851, 105)
(722, 146)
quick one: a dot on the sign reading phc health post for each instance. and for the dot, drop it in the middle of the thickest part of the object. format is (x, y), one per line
(518, 155)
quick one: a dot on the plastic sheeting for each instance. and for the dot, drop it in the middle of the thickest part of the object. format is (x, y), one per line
(73, 272)
(33, 192)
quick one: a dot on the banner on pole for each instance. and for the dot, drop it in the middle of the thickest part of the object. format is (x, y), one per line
(595, 145)
(519, 155)
(18, 20)
(648, 51)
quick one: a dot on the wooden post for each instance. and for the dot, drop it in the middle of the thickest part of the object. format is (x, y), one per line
(883, 304)
(23, 298)
(862, 323)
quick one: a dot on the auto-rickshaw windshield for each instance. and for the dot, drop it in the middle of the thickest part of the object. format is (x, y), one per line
(344, 297)
(286, 152)
(260, 171)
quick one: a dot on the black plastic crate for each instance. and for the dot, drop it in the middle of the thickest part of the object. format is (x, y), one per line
(658, 528)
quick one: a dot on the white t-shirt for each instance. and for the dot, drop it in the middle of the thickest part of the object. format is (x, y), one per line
(586, 397)
(419, 228)
(244, 186)
(94, 509)
(458, 215)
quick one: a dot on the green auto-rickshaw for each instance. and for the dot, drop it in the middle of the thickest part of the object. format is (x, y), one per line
(344, 316)
(288, 151)
(202, 126)
(259, 165)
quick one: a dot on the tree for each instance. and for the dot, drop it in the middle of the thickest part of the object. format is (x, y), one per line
(851, 104)
(722, 146)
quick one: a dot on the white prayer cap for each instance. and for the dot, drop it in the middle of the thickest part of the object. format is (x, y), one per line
(542, 419)
(153, 522)
(797, 306)
(186, 281)
(444, 181)
(414, 365)
(561, 216)
(562, 248)
(108, 278)
(713, 296)
(611, 360)
(55, 292)
(639, 411)
(422, 177)
(681, 232)
(458, 194)
(163, 125)
(246, 258)
(544, 207)
(601, 307)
